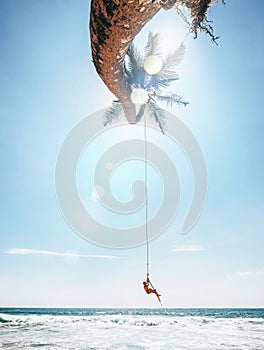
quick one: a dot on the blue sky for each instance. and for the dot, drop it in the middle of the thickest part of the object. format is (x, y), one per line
(48, 85)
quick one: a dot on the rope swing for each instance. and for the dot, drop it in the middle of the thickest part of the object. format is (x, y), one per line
(146, 192)
(148, 282)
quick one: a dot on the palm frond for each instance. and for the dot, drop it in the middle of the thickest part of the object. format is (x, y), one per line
(167, 73)
(127, 73)
(113, 113)
(158, 113)
(134, 55)
(158, 82)
(153, 45)
(153, 84)
(133, 66)
(172, 60)
(172, 99)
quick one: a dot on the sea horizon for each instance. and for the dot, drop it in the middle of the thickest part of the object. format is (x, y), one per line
(130, 307)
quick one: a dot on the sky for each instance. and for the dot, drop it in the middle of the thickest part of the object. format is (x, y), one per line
(49, 84)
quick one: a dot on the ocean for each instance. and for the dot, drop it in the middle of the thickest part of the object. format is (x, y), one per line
(32, 328)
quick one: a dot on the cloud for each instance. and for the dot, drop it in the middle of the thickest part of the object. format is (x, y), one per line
(24, 251)
(187, 248)
(258, 272)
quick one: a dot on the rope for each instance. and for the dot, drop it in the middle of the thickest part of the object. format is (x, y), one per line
(183, 17)
(146, 196)
(186, 36)
(146, 187)
(146, 192)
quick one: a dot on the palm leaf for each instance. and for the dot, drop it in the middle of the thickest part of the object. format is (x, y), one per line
(158, 113)
(153, 45)
(133, 66)
(157, 82)
(128, 74)
(170, 62)
(172, 99)
(134, 55)
(113, 113)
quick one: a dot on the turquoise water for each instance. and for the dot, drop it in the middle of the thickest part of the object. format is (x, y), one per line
(83, 329)
(213, 313)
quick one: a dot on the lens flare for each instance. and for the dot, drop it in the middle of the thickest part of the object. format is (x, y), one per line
(139, 96)
(153, 64)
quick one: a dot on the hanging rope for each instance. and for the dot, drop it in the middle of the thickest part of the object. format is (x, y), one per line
(186, 36)
(146, 191)
(146, 178)
(146, 194)
(183, 17)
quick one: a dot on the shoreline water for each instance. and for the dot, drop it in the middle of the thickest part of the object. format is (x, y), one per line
(130, 328)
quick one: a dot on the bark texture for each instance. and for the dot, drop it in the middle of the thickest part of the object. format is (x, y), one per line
(113, 26)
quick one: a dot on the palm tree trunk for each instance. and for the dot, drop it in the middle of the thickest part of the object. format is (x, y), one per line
(113, 26)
